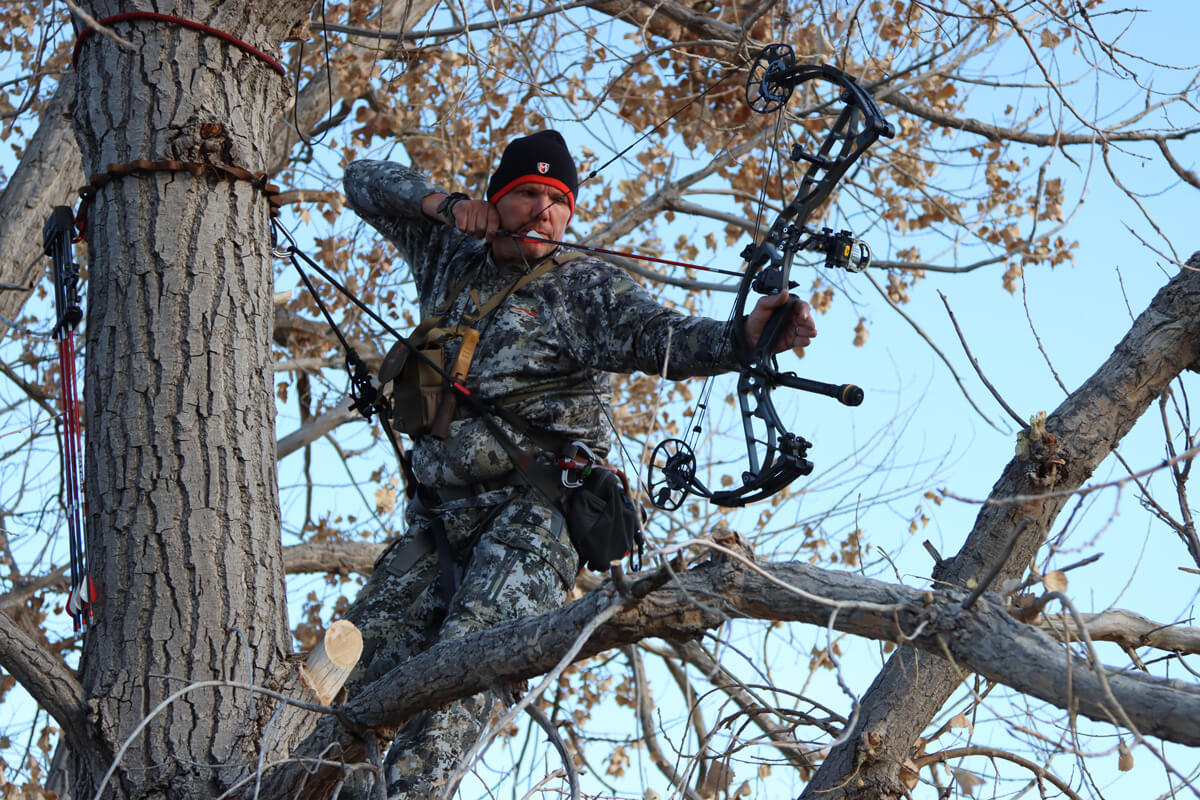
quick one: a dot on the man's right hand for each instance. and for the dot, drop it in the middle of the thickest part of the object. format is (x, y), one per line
(476, 218)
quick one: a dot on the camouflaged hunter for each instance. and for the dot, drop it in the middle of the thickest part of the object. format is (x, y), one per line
(545, 334)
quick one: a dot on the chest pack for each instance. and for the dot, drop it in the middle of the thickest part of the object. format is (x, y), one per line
(418, 371)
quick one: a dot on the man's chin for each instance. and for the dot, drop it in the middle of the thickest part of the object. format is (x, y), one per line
(531, 249)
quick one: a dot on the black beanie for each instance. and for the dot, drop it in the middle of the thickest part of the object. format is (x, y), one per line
(541, 157)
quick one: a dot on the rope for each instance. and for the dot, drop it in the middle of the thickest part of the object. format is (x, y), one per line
(136, 16)
(194, 168)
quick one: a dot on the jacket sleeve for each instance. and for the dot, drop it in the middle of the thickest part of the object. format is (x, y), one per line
(618, 326)
(388, 197)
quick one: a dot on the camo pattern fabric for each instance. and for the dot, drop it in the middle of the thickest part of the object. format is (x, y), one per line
(546, 351)
(548, 348)
(517, 560)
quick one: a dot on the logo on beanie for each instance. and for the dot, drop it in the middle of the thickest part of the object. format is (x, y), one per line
(543, 167)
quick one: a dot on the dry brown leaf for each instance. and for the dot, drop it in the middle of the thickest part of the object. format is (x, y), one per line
(1124, 756)
(1055, 581)
(385, 499)
(968, 781)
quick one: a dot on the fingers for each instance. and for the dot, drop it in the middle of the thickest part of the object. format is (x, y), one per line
(770, 302)
(476, 218)
(803, 329)
(756, 322)
(802, 320)
(799, 332)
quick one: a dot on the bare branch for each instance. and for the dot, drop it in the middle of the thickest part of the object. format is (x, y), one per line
(315, 428)
(1186, 174)
(1164, 340)
(337, 557)
(985, 639)
(49, 682)
(998, 133)
(1131, 630)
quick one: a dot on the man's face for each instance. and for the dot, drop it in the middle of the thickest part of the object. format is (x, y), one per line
(533, 208)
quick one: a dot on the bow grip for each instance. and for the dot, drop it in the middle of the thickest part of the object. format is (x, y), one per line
(780, 318)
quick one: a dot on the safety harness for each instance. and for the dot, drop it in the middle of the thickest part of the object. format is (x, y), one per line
(427, 397)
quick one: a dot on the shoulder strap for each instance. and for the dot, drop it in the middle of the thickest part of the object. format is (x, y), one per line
(499, 297)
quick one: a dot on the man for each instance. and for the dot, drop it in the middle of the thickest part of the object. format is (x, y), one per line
(538, 333)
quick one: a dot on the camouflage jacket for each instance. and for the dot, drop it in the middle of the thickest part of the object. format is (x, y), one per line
(548, 348)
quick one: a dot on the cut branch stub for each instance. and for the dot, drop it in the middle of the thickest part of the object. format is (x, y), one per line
(330, 662)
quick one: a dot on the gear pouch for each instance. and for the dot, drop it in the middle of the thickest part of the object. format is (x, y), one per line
(602, 521)
(416, 387)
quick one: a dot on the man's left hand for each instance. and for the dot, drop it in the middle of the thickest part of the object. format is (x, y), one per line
(799, 331)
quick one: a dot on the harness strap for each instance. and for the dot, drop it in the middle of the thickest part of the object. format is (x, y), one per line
(430, 328)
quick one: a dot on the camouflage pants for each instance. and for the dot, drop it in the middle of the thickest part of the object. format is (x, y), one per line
(516, 560)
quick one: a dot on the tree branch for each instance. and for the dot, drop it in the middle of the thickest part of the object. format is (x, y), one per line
(1128, 630)
(339, 557)
(1186, 174)
(998, 133)
(1086, 427)
(984, 639)
(51, 684)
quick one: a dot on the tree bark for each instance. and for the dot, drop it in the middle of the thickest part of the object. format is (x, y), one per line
(182, 497)
(51, 173)
(48, 175)
(1164, 341)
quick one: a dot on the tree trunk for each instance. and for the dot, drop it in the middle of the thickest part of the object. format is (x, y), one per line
(182, 499)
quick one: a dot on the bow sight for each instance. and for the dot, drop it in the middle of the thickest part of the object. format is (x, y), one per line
(858, 124)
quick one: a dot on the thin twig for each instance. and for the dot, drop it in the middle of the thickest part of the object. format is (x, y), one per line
(990, 752)
(171, 698)
(547, 680)
(979, 370)
(961, 387)
(1081, 491)
(90, 22)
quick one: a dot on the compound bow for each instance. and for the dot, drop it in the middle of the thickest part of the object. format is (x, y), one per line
(774, 76)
